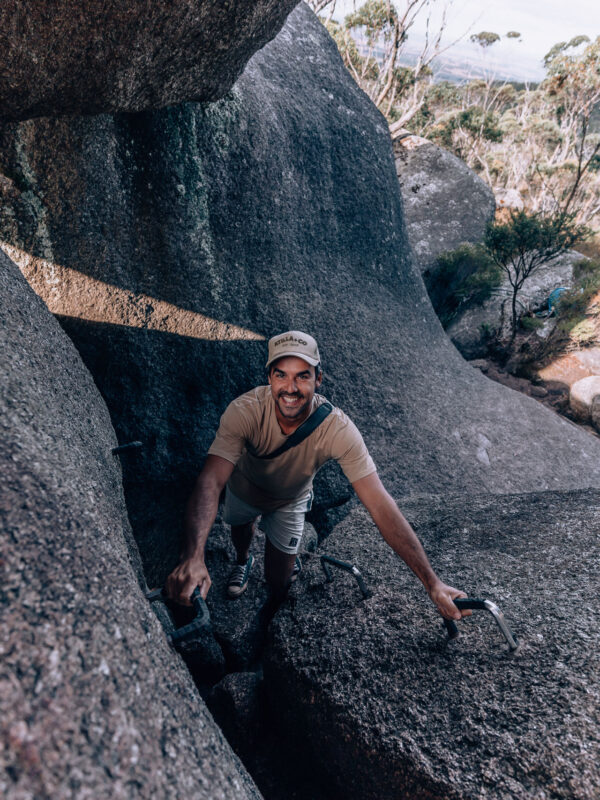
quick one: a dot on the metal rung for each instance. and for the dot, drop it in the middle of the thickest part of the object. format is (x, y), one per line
(487, 605)
(329, 561)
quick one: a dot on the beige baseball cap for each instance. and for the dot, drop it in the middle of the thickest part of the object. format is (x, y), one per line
(294, 343)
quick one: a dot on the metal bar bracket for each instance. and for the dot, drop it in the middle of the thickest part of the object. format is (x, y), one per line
(329, 561)
(125, 448)
(487, 605)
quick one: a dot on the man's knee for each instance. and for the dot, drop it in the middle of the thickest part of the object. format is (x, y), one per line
(247, 529)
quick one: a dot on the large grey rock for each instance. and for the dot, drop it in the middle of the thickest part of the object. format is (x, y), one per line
(394, 710)
(470, 332)
(93, 703)
(236, 704)
(65, 58)
(170, 242)
(445, 203)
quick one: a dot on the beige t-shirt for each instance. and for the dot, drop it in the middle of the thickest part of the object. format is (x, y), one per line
(249, 427)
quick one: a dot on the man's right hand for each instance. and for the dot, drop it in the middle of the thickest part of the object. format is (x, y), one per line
(185, 577)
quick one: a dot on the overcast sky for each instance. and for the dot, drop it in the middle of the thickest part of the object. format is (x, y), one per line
(541, 24)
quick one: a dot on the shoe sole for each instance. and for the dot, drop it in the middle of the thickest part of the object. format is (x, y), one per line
(236, 591)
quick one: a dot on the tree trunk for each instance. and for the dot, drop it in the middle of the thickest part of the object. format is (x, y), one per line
(514, 315)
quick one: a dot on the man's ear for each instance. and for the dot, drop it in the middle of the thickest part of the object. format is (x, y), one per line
(319, 380)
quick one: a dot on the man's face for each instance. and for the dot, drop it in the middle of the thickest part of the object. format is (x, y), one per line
(293, 385)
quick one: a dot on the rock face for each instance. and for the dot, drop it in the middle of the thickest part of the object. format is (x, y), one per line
(187, 235)
(397, 711)
(445, 203)
(103, 56)
(470, 331)
(93, 703)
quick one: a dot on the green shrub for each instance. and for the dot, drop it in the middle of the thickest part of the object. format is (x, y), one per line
(586, 283)
(573, 309)
(531, 323)
(526, 242)
(461, 279)
(586, 273)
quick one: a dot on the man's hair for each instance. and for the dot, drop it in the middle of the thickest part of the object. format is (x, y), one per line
(273, 366)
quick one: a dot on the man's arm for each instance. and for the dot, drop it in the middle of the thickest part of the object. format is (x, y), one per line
(398, 533)
(200, 515)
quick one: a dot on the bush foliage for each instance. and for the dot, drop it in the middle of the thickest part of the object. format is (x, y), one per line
(526, 243)
(577, 320)
(537, 145)
(461, 279)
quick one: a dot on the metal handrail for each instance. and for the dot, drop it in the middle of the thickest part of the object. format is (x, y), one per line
(488, 605)
(200, 621)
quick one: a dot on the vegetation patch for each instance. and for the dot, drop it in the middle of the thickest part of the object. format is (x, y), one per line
(461, 279)
(536, 144)
(527, 242)
(531, 323)
(579, 309)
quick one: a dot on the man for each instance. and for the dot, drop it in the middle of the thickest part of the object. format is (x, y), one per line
(246, 457)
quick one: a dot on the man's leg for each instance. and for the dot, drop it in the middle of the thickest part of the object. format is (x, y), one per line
(284, 528)
(242, 536)
(242, 518)
(278, 571)
(240, 574)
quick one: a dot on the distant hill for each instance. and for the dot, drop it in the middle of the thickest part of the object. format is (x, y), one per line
(460, 64)
(464, 62)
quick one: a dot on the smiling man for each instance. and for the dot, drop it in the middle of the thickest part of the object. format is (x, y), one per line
(270, 443)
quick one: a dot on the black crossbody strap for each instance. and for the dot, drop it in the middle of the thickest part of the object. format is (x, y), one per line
(305, 430)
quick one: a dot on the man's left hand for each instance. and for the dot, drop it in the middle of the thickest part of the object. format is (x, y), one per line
(443, 595)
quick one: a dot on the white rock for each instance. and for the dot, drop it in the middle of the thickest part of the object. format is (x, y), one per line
(582, 396)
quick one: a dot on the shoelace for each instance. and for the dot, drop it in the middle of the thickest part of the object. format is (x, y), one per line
(237, 575)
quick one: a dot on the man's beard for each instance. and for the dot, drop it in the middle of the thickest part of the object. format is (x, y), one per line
(293, 410)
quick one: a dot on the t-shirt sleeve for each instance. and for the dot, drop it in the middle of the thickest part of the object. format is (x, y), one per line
(350, 451)
(230, 439)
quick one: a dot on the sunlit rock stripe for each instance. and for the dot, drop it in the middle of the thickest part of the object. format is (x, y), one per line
(73, 294)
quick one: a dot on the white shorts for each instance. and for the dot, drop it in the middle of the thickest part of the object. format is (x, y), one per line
(283, 527)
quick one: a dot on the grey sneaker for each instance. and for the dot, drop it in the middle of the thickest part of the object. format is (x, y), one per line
(238, 580)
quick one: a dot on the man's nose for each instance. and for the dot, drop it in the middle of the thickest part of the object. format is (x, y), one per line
(290, 385)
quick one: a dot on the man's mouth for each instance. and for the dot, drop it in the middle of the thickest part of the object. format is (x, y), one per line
(290, 400)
